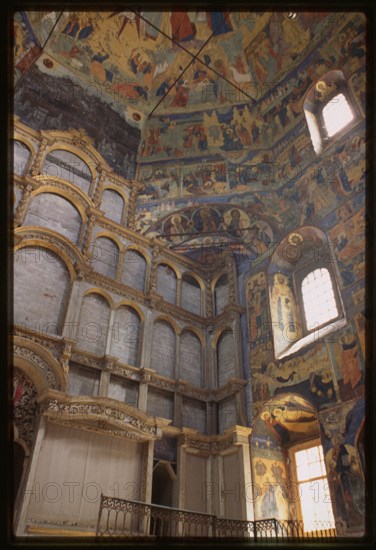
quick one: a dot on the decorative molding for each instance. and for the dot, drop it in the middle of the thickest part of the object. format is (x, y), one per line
(206, 445)
(37, 163)
(86, 359)
(43, 180)
(113, 366)
(21, 208)
(25, 407)
(100, 414)
(53, 343)
(36, 359)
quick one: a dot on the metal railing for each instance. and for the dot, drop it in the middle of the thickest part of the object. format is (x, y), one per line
(119, 518)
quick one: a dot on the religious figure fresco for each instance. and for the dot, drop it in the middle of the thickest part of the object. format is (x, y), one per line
(345, 478)
(348, 362)
(284, 311)
(257, 307)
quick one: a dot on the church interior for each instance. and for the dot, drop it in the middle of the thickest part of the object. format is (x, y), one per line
(189, 318)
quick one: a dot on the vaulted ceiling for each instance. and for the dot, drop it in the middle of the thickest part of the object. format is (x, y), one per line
(209, 104)
(167, 62)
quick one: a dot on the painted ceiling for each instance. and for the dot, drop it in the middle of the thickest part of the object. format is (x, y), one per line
(217, 99)
(170, 62)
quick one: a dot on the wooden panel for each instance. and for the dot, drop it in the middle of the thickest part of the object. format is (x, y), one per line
(163, 349)
(56, 213)
(41, 287)
(93, 324)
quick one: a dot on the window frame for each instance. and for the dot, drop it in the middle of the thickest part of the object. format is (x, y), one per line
(325, 138)
(291, 450)
(298, 278)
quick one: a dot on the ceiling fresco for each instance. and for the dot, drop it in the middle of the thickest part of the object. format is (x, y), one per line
(167, 61)
(210, 107)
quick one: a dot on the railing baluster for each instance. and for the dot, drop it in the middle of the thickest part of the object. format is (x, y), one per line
(126, 518)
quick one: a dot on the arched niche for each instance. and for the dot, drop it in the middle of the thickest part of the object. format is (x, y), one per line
(39, 302)
(55, 212)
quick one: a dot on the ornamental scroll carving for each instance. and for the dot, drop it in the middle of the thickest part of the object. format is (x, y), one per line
(121, 416)
(41, 363)
(25, 407)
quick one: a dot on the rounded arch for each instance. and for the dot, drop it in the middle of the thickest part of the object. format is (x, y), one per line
(56, 211)
(63, 139)
(198, 279)
(105, 255)
(110, 236)
(40, 303)
(58, 186)
(103, 293)
(218, 333)
(169, 321)
(64, 248)
(21, 152)
(171, 265)
(198, 333)
(93, 322)
(134, 306)
(39, 365)
(192, 293)
(26, 141)
(78, 152)
(126, 334)
(216, 279)
(119, 190)
(142, 251)
(167, 281)
(136, 268)
(302, 251)
(113, 205)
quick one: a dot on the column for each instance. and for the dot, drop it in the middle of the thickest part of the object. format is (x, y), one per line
(110, 333)
(87, 239)
(131, 208)
(37, 164)
(22, 207)
(73, 311)
(98, 189)
(146, 483)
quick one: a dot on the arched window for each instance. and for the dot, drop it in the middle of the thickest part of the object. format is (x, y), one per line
(93, 324)
(221, 294)
(134, 269)
(21, 157)
(225, 357)
(166, 283)
(190, 358)
(69, 167)
(56, 213)
(319, 301)
(105, 256)
(112, 204)
(125, 335)
(305, 303)
(41, 287)
(329, 109)
(191, 294)
(163, 349)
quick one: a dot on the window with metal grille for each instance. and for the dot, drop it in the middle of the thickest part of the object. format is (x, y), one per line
(319, 301)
